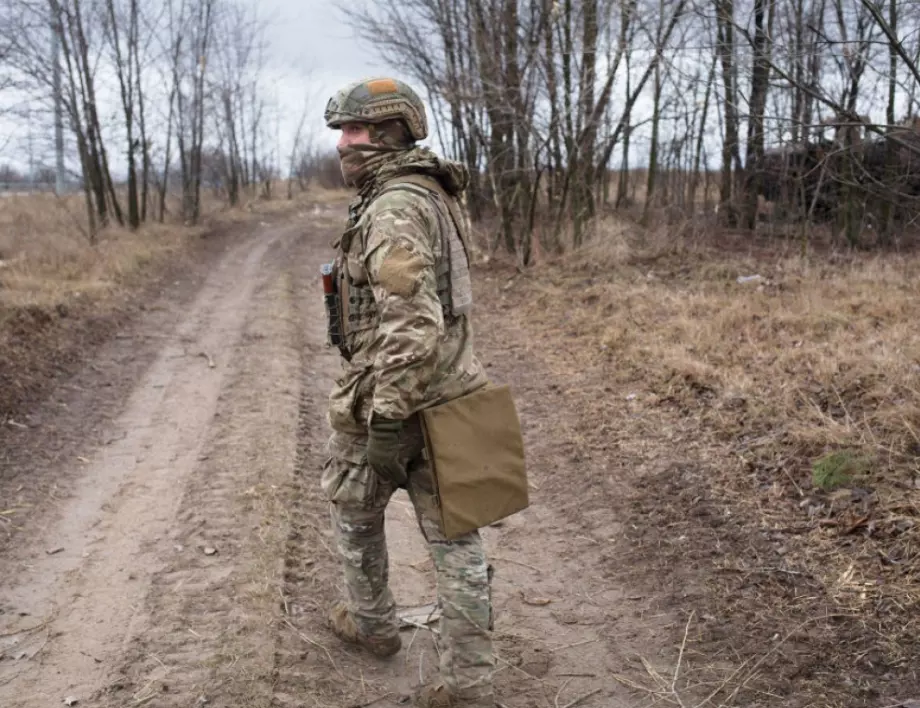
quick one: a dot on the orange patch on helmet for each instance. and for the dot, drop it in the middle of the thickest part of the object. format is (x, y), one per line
(382, 86)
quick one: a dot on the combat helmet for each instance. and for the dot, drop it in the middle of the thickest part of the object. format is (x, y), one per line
(375, 100)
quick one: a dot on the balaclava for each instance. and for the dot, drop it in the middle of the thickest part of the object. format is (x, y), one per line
(359, 161)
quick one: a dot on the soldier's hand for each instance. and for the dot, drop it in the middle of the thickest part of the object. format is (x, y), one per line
(383, 450)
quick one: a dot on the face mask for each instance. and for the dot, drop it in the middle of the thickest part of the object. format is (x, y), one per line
(353, 162)
(358, 161)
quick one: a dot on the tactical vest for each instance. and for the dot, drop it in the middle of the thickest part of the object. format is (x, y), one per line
(358, 311)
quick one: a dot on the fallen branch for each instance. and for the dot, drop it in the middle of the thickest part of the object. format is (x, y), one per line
(517, 562)
(574, 644)
(316, 644)
(44, 623)
(585, 697)
(370, 702)
(559, 692)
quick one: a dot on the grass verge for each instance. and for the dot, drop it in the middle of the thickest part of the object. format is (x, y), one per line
(773, 405)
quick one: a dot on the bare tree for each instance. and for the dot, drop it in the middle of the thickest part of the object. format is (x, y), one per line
(122, 30)
(764, 14)
(77, 25)
(523, 98)
(195, 30)
(302, 154)
(190, 93)
(7, 28)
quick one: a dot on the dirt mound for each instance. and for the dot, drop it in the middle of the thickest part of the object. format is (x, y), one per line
(38, 345)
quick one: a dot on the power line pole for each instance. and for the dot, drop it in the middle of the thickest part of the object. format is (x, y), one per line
(58, 108)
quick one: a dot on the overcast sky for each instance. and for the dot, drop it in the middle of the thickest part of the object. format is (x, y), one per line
(311, 44)
(312, 53)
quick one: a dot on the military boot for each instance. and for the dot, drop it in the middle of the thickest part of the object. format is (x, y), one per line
(343, 625)
(437, 696)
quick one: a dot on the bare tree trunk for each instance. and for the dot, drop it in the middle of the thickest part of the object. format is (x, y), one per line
(204, 25)
(726, 47)
(813, 72)
(297, 151)
(82, 119)
(501, 137)
(174, 120)
(798, 70)
(764, 11)
(124, 70)
(891, 153)
(555, 144)
(167, 157)
(701, 133)
(233, 156)
(670, 23)
(142, 127)
(582, 193)
(623, 183)
(519, 181)
(73, 104)
(855, 61)
(653, 146)
(86, 70)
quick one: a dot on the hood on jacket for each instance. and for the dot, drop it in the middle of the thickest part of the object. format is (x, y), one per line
(453, 176)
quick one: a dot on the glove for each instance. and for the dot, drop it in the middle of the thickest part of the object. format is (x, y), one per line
(383, 450)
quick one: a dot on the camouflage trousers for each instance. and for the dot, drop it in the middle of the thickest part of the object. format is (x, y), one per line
(359, 500)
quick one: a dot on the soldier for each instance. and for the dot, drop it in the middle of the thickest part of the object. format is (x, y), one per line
(404, 332)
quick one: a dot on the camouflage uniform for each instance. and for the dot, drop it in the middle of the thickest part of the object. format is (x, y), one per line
(408, 344)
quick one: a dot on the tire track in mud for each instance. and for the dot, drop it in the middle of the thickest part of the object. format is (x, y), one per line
(312, 668)
(208, 636)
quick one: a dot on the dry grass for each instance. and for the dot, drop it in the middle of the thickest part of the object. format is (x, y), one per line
(823, 355)
(748, 387)
(46, 257)
(48, 260)
(60, 294)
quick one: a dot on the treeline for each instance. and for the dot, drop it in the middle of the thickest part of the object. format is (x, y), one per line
(554, 103)
(156, 95)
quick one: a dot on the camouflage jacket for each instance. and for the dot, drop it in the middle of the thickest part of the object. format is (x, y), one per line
(407, 350)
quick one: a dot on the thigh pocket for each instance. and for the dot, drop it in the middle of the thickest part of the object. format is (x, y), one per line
(345, 482)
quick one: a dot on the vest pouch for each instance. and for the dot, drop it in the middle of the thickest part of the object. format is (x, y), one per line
(476, 452)
(350, 484)
(362, 313)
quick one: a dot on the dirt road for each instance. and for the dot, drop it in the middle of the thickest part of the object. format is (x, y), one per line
(164, 542)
